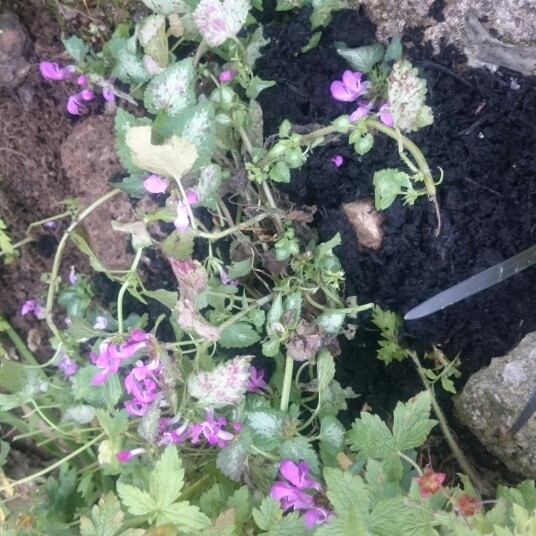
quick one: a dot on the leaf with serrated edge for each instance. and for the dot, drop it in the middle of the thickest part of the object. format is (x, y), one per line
(326, 370)
(217, 21)
(268, 514)
(370, 436)
(106, 518)
(267, 426)
(167, 478)
(238, 335)
(172, 159)
(184, 516)
(346, 492)
(166, 7)
(137, 502)
(411, 423)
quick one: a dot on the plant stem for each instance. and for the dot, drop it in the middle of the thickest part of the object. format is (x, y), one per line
(458, 454)
(21, 348)
(234, 229)
(123, 289)
(410, 461)
(58, 257)
(51, 468)
(287, 383)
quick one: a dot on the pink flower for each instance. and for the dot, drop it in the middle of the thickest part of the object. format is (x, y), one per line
(73, 278)
(82, 80)
(362, 110)
(430, 482)
(350, 88)
(87, 94)
(256, 383)
(182, 221)
(337, 160)
(108, 94)
(212, 430)
(386, 117)
(52, 71)
(176, 435)
(155, 184)
(142, 384)
(226, 76)
(225, 279)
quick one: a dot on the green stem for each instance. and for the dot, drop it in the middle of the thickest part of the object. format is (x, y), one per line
(58, 257)
(287, 383)
(271, 202)
(123, 289)
(14, 337)
(410, 461)
(54, 466)
(264, 453)
(234, 229)
(458, 454)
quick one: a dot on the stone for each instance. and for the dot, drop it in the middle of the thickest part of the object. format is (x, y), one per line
(493, 398)
(14, 47)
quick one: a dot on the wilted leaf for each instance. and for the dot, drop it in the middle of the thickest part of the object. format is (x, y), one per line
(172, 159)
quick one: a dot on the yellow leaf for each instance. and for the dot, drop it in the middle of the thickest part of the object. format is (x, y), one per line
(173, 158)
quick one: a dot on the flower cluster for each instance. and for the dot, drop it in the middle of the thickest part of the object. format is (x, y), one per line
(76, 103)
(350, 89)
(143, 384)
(292, 493)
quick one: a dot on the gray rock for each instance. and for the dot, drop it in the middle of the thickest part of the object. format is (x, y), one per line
(14, 46)
(493, 398)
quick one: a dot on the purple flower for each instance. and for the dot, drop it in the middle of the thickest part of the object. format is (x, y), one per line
(362, 110)
(108, 94)
(182, 221)
(291, 492)
(142, 384)
(212, 429)
(155, 184)
(52, 71)
(337, 160)
(298, 475)
(169, 435)
(226, 76)
(386, 117)
(68, 366)
(110, 355)
(256, 383)
(75, 104)
(350, 88)
(317, 516)
(127, 455)
(87, 94)
(72, 276)
(82, 80)
(30, 306)
(291, 497)
(225, 279)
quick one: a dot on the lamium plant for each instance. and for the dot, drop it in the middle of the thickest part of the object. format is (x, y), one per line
(220, 414)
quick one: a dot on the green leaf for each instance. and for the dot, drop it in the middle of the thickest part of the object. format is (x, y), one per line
(238, 335)
(114, 424)
(81, 330)
(167, 478)
(214, 500)
(165, 7)
(407, 96)
(299, 448)
(268, 514)
(292, 524)
(362, 58)
(172, 90)
(123, 122)
(388, 183)
(393, 51)
(280, 172)
(276, 311)
(241, 502)
(152, 37)
(232, 459)
(326, 370)
(138, 232)
(179, 245)
(136, 501)
(240, 269)
(331, 321)
(364, 144)
(266, 427)
(76, 48)
(256, 86)
(208, 184)
(387, 517)
(133, 184)
(184, 515)
(128, 66)
(106, 518)
(370, 436)
(332, 434)
(166, 297)
(322, 10)
(347, 493)
(411, 424)
(380, 487)
(270, 348)
(105, 395)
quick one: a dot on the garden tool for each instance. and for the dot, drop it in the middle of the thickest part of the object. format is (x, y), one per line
(472, 285)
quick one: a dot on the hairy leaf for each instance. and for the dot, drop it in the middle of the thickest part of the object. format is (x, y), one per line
(362, 58)
(239, 335)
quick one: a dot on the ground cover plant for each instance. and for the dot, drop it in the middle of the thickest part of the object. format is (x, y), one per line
(220, 413)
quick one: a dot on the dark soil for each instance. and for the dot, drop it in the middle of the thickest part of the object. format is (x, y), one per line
(483, 138)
